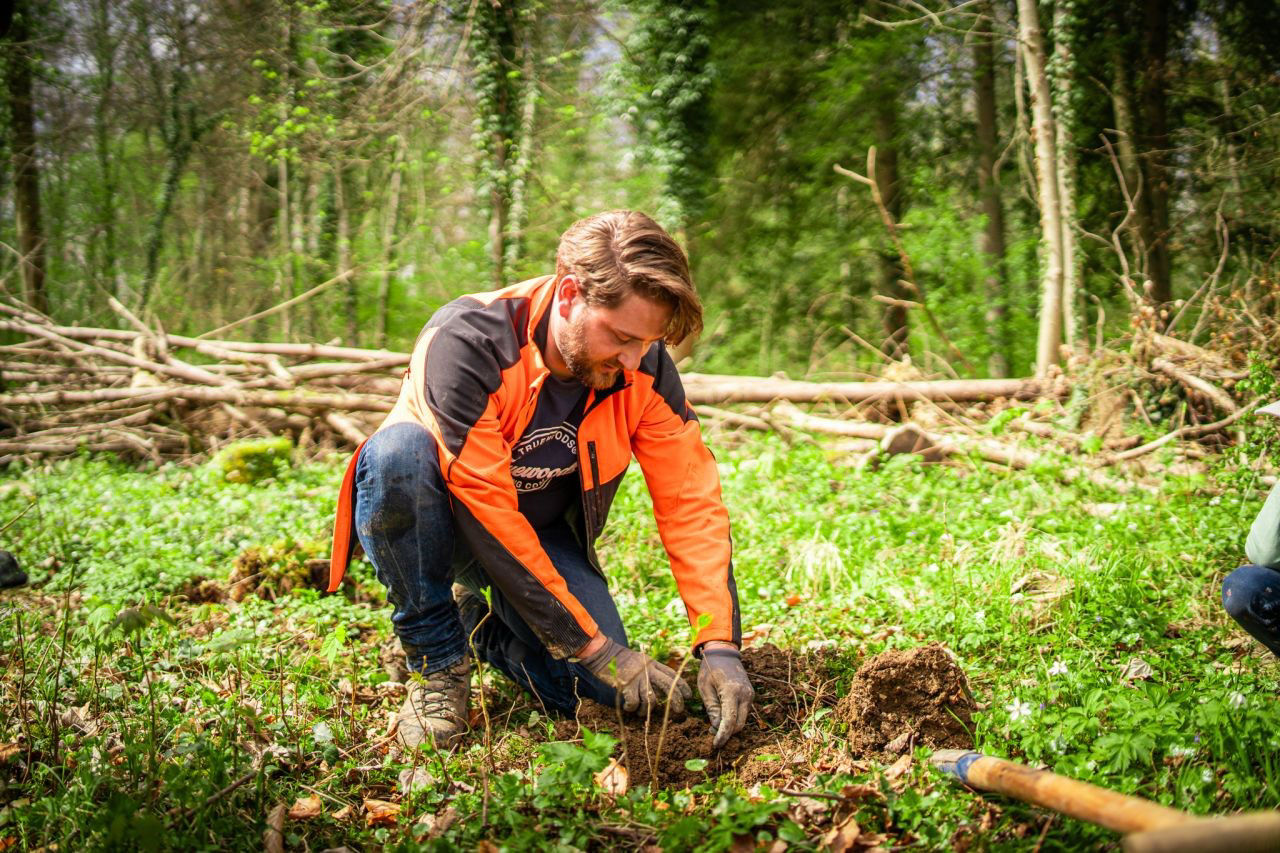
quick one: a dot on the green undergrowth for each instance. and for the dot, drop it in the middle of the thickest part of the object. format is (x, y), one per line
(134, 697)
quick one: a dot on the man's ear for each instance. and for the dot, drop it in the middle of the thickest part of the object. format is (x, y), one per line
(566, 292)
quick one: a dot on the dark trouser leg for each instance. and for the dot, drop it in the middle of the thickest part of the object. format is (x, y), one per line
(1251, 595)
(506, 641)
(405, 525)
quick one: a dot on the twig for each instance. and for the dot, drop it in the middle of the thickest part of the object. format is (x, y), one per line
(213, 798)
(886, 216)
(288, 303)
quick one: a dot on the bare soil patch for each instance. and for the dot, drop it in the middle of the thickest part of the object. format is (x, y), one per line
(790, 686)
(906, 697)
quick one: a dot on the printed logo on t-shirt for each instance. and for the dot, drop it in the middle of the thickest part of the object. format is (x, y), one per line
(553, 444)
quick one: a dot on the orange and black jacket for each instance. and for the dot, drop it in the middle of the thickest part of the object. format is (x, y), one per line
(473, 381)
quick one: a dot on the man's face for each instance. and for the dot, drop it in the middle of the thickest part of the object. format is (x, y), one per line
(597, 342)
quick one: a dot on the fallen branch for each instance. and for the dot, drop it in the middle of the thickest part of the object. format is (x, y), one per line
(1219, 397)
(1186, 432)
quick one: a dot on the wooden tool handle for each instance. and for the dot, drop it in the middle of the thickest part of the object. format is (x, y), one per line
(1249, 833)
(1071, 797)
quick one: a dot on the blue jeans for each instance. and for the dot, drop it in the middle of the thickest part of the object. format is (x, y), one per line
(1251, 595)
(405, 524)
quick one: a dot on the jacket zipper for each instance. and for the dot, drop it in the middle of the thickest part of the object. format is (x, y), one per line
(595, 480)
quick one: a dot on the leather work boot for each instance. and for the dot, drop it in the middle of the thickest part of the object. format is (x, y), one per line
(435, 710)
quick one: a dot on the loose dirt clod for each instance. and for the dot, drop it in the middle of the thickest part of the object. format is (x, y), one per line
(908, 697)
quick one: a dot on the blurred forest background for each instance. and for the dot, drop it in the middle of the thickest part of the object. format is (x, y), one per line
(1049, 173)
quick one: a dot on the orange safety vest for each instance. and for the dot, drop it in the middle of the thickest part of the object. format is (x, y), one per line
(473, 382)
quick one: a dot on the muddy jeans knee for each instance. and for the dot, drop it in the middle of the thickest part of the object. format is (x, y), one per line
(405, 524)
(1251, 596)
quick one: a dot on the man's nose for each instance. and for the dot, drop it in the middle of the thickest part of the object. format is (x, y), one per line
(630, 356)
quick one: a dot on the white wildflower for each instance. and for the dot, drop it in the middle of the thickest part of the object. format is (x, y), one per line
(1207, 775)
(1182, 751)
(1215, 500)
(933, 568)
(1236, 699)
(1058, 668)
(1018, 710)
(980, 617)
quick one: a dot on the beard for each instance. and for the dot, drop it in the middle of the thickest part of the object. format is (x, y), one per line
(573, 349)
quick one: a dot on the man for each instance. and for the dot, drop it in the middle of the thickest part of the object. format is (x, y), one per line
(517, 418)
(1251, 594)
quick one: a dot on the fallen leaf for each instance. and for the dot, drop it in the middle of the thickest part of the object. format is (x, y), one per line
(363, 693)
(902, 765)
(1136, 670)
(842, 837)
(1038, 592)
(8, 841)
(305, 808)
(344, 813)
(273, 836)
(794, 600)
(438, 825)
(414, 779)
(380, 812)
(861, 792)
(900, 744)
(612, 779)
(8, 751)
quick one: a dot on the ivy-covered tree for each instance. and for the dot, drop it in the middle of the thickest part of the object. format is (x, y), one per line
(671, 51)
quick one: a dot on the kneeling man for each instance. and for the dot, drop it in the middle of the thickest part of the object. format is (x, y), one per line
(518, 416)
(1251, 594)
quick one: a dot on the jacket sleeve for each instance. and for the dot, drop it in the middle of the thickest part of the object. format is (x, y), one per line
(685, 487)
(1263, 544)
(461, 387)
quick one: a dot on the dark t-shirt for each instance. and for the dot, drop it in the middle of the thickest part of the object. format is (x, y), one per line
(544, 462)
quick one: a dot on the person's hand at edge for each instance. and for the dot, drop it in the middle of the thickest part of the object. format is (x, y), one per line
(726, 691)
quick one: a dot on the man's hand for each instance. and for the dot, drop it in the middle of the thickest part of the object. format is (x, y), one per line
(726, 690)
(641, 682)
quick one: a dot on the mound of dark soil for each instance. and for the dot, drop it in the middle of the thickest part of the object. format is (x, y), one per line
(905, 697)
(789, 687)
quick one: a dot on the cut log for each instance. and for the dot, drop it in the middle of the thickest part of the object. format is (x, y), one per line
(711, 389)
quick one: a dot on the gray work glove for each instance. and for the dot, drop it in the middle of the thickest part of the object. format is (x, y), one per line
(640, 680)
(726, 692)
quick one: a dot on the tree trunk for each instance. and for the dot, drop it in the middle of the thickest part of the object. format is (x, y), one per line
(1064, 23)
(494, 47)
(344, 253)
(19, 78)
(282, 236)
(992, 242)
(179, 140)
(519, 212)
(389, 223)
(886, 177)
(104, 54)
(1032, 43)
(1141, 230)
(1155, 143)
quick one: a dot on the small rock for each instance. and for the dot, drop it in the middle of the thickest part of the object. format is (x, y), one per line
(414, 779)
(10, 574)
